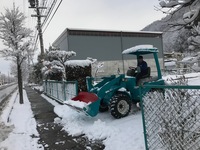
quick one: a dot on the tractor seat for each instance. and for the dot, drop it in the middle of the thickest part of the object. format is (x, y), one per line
(148, 73)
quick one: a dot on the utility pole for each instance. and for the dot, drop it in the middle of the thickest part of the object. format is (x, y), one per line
(39, 28)
(35, 4)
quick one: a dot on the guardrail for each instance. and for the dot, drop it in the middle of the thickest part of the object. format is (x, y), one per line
(6, 90)
(60, 90)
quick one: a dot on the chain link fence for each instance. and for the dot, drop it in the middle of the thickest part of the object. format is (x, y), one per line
(171, 117)
(60, 90)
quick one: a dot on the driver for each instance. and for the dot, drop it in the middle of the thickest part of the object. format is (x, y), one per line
(141, 68)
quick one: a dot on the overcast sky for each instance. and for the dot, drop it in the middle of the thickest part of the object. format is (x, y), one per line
(131, 15)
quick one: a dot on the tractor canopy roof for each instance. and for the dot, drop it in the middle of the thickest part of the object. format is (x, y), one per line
(141, 50)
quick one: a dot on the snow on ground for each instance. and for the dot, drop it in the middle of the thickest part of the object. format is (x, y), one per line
(117, 134)
(193, 78)
(17, 120)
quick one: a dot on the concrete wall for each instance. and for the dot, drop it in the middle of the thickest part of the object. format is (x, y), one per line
(116, 66)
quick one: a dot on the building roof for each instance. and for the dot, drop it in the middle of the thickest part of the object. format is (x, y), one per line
(90, 32)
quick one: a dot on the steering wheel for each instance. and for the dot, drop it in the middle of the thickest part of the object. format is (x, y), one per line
(132, 68)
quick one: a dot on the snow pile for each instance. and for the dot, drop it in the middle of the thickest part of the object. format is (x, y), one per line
(39, 88)
(24, 135)
(189, 59)
(170, 64)
(140, 48)
(117, 134)
(81, 63)
(193, 78)
(4, 131)
(78, 104)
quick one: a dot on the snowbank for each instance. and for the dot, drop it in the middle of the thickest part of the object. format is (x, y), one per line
(189, 60)
(77, 104)
(23, 135)
(170, 64)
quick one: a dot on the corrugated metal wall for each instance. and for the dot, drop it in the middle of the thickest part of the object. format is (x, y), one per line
(107, 46)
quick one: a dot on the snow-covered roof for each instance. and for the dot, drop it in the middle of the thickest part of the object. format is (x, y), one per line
(141, 49)
(81, 63)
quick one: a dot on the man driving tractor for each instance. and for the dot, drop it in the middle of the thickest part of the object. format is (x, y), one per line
(141, 68)
(140, 71)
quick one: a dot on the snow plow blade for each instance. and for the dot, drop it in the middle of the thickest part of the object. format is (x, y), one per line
(85, 97)
(85, 102)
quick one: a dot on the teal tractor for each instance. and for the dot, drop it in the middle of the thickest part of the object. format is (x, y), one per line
(117, 93)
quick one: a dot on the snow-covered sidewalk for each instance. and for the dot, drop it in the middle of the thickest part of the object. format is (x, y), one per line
(117, 134)
(18, 126)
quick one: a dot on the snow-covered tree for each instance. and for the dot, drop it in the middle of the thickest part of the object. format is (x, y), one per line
(189, 18)
(25, 68)
(194, 40)
(181, 43)
(57, 62)
(6, 78)
(96, 66)
(16, 39)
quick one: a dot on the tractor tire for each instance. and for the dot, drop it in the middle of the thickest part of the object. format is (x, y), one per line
(103, 107)
(120, 105)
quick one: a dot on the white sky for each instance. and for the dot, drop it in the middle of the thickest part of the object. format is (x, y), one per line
(119, 15)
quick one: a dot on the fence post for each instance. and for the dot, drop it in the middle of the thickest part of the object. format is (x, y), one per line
(64, 89)
(57, 89)
(143, 119)
(76, 83)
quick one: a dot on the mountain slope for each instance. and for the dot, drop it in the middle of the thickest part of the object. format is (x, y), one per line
(172, 37)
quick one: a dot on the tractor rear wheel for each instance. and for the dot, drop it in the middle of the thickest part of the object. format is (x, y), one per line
(120, 105)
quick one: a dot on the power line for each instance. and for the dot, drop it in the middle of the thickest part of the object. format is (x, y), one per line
(49, 12)
(44, 4)
(48, 15)
(52, 16)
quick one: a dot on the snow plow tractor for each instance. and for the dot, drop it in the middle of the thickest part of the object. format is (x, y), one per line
(117, 92)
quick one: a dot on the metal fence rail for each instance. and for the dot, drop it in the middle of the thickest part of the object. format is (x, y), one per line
(60, 90)
(171, 118)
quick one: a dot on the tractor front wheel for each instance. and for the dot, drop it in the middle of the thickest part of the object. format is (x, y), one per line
(120, 105)
(103, 107)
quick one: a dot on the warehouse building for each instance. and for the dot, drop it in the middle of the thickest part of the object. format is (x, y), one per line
(107, 47)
